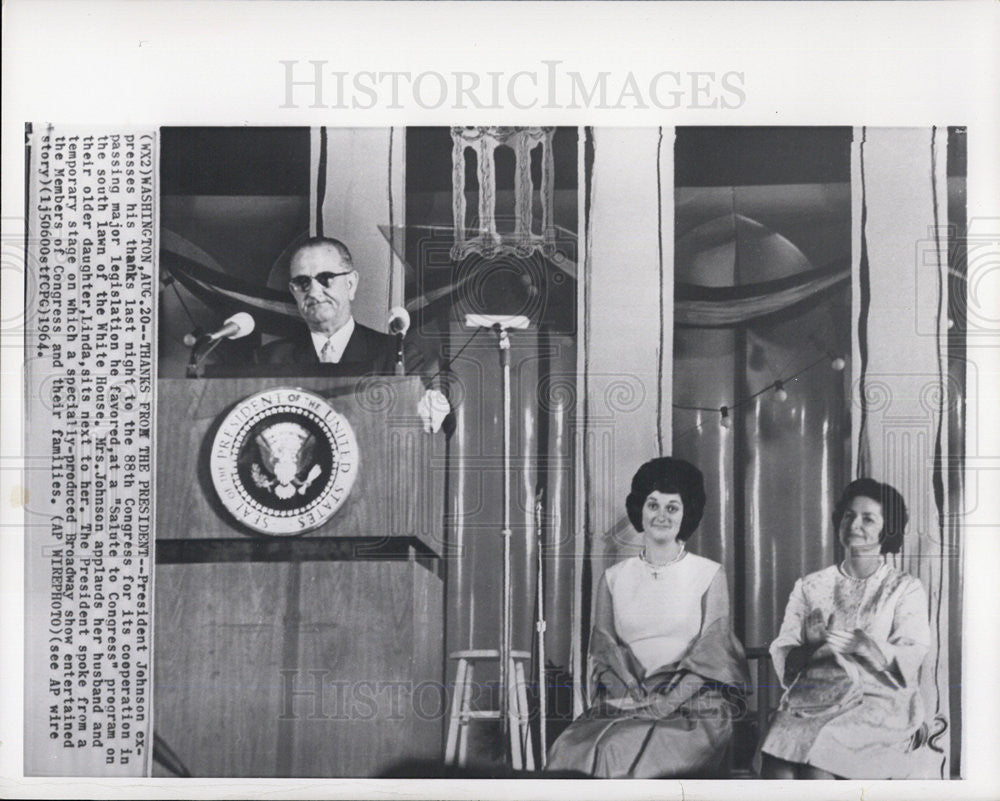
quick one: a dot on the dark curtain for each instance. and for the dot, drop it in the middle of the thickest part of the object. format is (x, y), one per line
(773, 467)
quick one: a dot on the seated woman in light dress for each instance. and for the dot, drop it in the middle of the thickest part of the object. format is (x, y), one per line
(666, 667)
(849, 654)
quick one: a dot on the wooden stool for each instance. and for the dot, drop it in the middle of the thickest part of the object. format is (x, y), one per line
(456, 747)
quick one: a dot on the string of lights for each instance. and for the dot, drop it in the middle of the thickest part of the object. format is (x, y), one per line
(778, 387)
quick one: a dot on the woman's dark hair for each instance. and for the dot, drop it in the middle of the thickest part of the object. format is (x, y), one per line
(669, 475)
(893, 510)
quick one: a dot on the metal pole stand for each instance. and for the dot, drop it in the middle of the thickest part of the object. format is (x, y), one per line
(513, 702)
(503, 343)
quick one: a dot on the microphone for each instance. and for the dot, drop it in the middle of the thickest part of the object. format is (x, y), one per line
(399, 324)
(235, 327)
(399, 320)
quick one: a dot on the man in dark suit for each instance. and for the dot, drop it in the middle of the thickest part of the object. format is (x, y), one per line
(324, 283)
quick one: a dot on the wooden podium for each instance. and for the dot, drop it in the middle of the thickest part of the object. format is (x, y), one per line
(311, 655)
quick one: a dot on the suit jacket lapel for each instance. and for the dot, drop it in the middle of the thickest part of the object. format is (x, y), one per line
(305, 353)
(357, 347)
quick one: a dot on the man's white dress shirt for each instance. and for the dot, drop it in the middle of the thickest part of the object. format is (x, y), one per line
(330, 349)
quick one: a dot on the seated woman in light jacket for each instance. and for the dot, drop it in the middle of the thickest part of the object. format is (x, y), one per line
(849, 654)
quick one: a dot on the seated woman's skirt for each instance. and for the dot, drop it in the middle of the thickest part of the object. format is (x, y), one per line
(613, 743)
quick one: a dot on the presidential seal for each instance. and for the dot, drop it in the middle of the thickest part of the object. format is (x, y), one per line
(283, 461)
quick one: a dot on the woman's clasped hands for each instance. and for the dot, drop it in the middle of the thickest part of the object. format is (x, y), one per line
(845, 642)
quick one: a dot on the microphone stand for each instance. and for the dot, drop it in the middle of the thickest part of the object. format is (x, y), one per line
(503, 343)
(196, 362)
(400, 368)
(500, 327)
(540, 628)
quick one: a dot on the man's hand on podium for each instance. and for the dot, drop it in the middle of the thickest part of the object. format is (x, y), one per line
(433, 407)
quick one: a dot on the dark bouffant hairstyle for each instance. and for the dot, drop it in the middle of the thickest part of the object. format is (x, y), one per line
(893, 510)
(670, 475)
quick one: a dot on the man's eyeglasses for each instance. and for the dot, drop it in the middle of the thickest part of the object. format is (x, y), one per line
(302, 283)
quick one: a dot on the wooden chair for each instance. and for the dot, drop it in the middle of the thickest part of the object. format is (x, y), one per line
(748, 730)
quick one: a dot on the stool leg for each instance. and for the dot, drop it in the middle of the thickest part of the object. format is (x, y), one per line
(455, 720)
(525, 717)
(463, 728)
(513, 721)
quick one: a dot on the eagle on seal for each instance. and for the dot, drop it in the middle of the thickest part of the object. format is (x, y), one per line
(286, 451)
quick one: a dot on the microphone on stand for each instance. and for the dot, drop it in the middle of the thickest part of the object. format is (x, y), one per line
(235, 327)
(399, 324)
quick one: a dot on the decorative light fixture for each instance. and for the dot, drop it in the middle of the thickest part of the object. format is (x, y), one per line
(522, 241)
(778, 387)
(836, 362)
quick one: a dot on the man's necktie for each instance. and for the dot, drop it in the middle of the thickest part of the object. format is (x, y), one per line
(327, 354)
